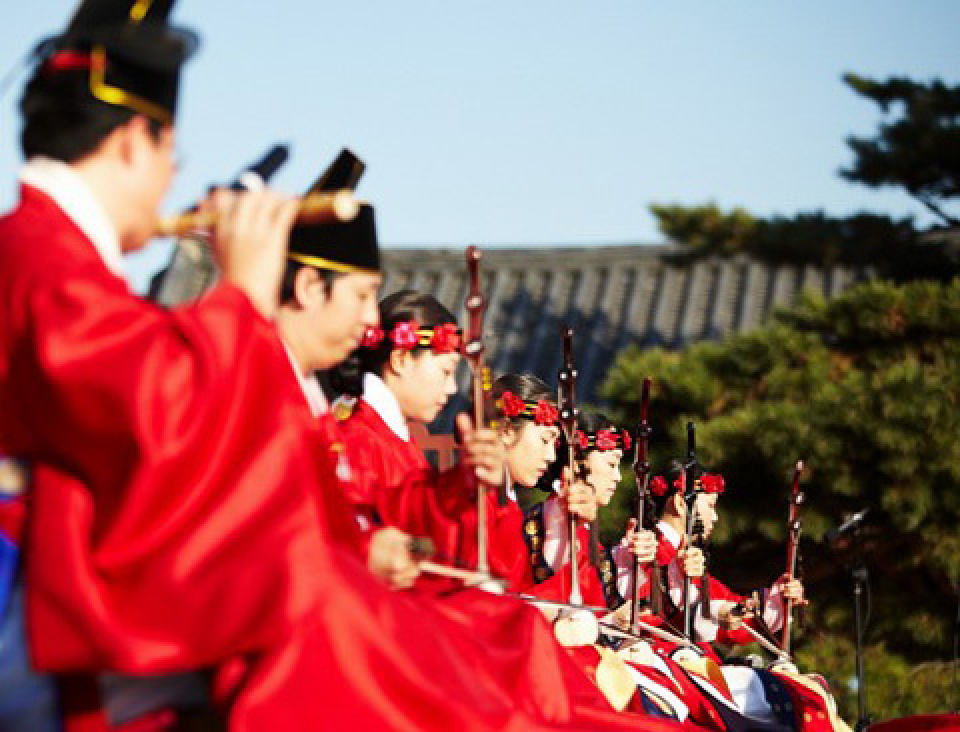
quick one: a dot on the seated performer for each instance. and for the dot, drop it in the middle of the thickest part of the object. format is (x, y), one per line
(180, 513)
(527, 415)
(665, 688)
(109, 400)
(600, 448)
(724, 623)
(374, 463)
(404, 374)
(777, 696)
(407, 375)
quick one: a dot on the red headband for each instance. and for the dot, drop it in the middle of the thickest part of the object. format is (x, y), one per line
(608, 439)
(706, 483)
(542, 412)
(407, 335)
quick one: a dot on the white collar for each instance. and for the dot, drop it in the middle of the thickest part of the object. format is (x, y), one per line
(74, 197)
(309, 385)
(670, 534)
(510, 490)
(385, 404)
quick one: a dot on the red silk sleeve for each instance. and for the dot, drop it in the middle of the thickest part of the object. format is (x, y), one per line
(666, 552)
(163, 442)
(396, 484)
(739, 637)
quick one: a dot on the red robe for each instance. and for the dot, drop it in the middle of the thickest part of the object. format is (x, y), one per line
(394, 482)
(667, 556)
(394, 485)
(554, 582)
(184, 511)
(150, 436)
(807, 698)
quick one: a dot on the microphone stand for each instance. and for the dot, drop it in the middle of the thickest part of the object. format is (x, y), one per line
(861, 578)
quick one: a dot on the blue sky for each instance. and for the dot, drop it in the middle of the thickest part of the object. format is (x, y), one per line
(534, 122)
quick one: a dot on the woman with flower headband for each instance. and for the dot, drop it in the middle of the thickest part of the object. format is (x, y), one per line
(528, 430)
(723, 625)
(406, 368)
(779, 695)
(403, 373)
(600, 447)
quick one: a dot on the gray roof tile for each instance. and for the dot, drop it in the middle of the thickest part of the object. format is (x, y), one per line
(612, 295)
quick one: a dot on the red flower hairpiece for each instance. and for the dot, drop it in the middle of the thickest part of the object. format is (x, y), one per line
(545, 414)
(404, 335)
(606, 440)
(511, 405)
(658, 486)
(583, 442)
(372, 337)
(712, 483)
(445, 339)
(706, 483)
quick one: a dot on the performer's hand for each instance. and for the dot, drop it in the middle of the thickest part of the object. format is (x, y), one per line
(484, 450)
(390, 559)
(728, 618)
(792, 589)
(621, 616)
(578, 498)
(643, 543)
(691, 561)
(249, 240)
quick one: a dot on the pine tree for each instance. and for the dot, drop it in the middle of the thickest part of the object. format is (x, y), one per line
(865, 389)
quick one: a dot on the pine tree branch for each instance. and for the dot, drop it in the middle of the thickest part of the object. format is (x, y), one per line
(937, 211)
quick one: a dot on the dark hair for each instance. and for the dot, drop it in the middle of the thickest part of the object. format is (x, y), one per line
(593, 422)
(587, 422)
(525, 386)
(405, 305)
(288, 283)
(61, 120)
(660, 502)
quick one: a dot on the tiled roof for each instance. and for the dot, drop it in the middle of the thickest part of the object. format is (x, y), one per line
(611, 295)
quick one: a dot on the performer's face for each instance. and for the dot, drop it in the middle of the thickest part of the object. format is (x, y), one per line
(531, 448)
(603, 473)
(423, 382)
(706, 511)
(341, 314)
(149, 165)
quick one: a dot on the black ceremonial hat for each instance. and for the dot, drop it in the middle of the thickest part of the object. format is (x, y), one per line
(342, 246)
(129, 53)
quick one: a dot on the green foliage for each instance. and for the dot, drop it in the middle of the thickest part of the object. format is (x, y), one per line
(890, 247)
(706, 228)
(865, 389)
(917, 146)
(894, 688)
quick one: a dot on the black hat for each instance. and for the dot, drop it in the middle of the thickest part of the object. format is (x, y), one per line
(343, 246)
(130, 54)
